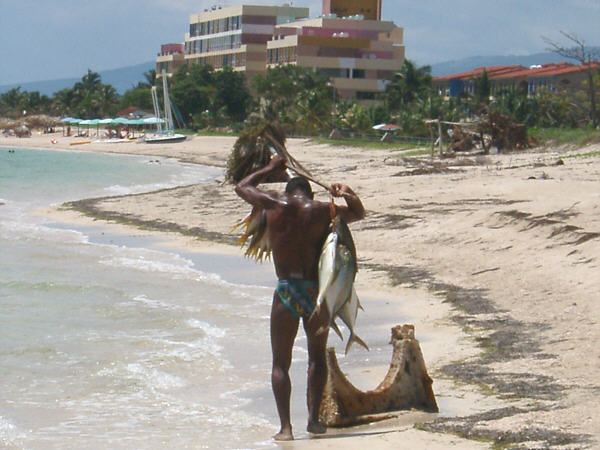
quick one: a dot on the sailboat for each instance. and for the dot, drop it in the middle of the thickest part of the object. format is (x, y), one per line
(166, 135)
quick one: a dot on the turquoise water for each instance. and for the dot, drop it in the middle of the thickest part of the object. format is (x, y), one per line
(122, 341)
(41, 176)
(115, 341)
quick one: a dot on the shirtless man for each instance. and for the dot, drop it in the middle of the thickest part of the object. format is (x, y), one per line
(297, 227)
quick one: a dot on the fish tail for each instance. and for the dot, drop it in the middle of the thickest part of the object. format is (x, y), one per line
(337, 330)
(355, 338)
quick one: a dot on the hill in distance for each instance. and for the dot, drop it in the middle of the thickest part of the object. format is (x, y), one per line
(466, 64)
(122, 79)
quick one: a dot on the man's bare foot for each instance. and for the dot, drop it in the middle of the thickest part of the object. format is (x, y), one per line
(316, 428)
(284, 435)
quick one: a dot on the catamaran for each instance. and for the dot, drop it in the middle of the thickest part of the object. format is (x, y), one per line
(166, 135)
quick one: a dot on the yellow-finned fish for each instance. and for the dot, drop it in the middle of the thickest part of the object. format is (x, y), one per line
(337, 271)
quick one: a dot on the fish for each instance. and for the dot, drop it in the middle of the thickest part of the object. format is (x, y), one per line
(337, 267)
(254, 227)
(337, 272)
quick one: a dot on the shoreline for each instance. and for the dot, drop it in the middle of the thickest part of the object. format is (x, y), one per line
(476, 238)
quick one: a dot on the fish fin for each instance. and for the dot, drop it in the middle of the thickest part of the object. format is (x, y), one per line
(355, 338)
(358, 301)
(337, 330)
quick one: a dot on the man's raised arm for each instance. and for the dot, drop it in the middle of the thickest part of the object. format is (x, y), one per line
(354, 210)
(247, 187)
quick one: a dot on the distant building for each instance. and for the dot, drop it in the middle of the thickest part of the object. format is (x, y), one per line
(359, 52)
(551, 77)
(134, 112)
(171, 56)
(236, 36)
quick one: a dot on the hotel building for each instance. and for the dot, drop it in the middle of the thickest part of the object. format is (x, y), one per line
(348, 43)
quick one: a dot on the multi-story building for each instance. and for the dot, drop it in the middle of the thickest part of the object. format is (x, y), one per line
(358, 52)
(234, 37)
(358, 55)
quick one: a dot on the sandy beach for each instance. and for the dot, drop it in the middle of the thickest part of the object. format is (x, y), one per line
(496, 258)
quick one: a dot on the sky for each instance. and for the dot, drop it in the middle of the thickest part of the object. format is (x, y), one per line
(51, 39)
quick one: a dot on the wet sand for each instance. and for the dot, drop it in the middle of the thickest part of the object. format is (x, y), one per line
(495, 258)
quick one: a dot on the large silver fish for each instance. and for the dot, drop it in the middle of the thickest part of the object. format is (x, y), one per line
(337, 271)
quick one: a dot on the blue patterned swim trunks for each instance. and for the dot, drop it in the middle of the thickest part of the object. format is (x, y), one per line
(298, 296)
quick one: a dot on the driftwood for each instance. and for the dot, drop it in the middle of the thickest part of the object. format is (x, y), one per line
(406, 386)
(506, 134)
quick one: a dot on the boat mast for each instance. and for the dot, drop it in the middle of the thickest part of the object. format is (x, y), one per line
(156, 109)
(168, 113)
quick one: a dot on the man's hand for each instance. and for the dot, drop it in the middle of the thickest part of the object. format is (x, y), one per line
(277, 163)
(341, 190)
(354, 209)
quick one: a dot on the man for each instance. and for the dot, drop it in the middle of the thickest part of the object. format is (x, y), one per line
(297, 227)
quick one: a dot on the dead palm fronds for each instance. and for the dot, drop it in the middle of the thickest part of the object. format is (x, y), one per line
(254, 148)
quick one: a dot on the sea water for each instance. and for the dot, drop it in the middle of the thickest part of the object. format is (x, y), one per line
(110, 341)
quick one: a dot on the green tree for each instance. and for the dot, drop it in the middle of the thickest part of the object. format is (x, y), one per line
(483, 89)
(300, 98)
(150, 79)
(63, 102)
(232, 94)
(92, 99)
(192, 89)
(357, 119)
(138, 96)
(408, 85)
(13, 100)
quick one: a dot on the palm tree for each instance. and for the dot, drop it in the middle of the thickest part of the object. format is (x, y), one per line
(407, 85)
(150, 79)
(90, 82)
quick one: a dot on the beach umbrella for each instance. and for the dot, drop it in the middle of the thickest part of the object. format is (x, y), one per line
(71, 121)
(87, 122)
(97, 123)
(387, 127)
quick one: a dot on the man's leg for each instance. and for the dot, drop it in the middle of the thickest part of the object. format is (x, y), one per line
(317, 368)
(284, 327)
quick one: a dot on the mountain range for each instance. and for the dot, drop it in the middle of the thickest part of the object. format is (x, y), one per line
(121, 79)
(127, 77)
